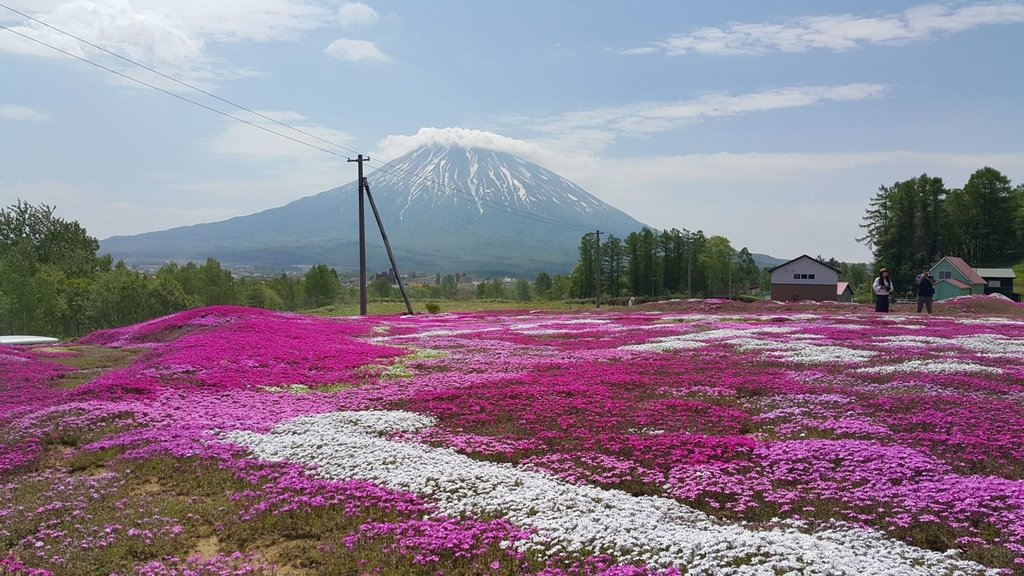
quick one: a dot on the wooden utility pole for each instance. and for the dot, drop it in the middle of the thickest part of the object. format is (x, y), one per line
(362, 238)
(387, 246)
(597, 249)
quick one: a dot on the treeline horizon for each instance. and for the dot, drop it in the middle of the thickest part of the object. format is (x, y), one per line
(54, 282)
(914, 223)
(681, 263)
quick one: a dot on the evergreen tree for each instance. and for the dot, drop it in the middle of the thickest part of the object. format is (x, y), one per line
(983, 219)
(523, 290)
(903, 226)
(613, 256)
(542, 286)
(449, 287)
(320, 286)
(585, 274)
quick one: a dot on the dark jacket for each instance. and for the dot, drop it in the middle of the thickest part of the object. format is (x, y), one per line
(925, 285)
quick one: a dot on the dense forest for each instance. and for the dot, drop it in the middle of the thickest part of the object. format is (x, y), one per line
(649, 265)
(916, 222)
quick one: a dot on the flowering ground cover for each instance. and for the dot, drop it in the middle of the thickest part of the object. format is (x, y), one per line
(711, 439)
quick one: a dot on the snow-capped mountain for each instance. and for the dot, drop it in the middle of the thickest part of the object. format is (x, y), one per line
(445, 208)
(479, 181)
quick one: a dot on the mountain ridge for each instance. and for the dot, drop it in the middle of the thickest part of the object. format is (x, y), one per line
(444, 208)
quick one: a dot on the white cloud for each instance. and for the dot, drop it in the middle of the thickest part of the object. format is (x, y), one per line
(355, 14)
(836, 32)
(394, 146)
(149, 36)
(349, 50)
(652, 117)
(15, 112)
(170, 36)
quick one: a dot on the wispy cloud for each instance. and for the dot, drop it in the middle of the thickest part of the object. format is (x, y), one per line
(15, 112)
(591, 131)
(248, 143)
(355, 14)
(603, 125)
(838, 32)
(348, 50)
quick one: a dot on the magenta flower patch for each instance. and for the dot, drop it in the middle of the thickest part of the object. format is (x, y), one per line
(601, 443)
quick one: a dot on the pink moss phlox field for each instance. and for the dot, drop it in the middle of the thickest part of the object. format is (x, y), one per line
(228, 347)
(25, 382)
(431, 539)
(910, 425)
(286, 487)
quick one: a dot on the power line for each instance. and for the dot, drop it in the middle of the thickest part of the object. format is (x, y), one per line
(408, 175)
(173, 79)
(169, 93)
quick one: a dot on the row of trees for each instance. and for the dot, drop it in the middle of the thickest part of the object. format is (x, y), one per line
(916, 222)
(53, 282)
(672, 262)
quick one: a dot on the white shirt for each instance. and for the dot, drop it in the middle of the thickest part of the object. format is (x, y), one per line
(880, 288)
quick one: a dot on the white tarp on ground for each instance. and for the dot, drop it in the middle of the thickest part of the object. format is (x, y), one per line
(23, 340)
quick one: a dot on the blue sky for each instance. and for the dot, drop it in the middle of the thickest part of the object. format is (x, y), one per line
(771, 123)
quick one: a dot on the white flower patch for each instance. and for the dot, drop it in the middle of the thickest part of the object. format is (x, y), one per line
(584, 321)
(568, 518)
(664, 344)
(553, 324)
(803, 352)
(688, 341)
(1003, 321)
(434, 334)
(729, 333)
(994, 345)
(814, 354)
(745, 341)
(911, 341)
(544, 332)
(695, 318)
(849, 327)
(932, 367)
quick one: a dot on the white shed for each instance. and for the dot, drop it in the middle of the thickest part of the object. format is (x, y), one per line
(804, 278)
